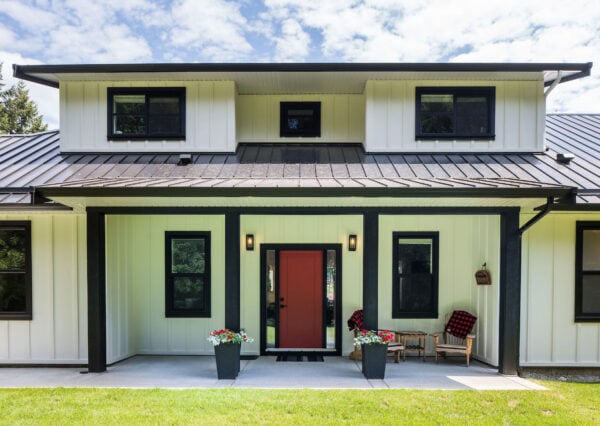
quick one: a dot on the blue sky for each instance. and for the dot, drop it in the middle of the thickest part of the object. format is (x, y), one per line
(135, 31)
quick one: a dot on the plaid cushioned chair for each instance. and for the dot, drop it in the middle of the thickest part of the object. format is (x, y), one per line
(456, 337)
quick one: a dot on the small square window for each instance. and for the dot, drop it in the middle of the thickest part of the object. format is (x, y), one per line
(146, 113)
(455, 113)
(300, 119)
(187, 278)
(15, 270)
(587, 272)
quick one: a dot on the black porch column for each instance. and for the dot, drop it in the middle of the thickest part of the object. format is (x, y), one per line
(510, 291)
(96, 289)
(370, 269)
(232, 271)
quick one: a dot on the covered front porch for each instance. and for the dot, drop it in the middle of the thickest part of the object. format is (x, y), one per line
(149, 371)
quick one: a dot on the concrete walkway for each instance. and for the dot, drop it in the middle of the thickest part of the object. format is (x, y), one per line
(265, 372)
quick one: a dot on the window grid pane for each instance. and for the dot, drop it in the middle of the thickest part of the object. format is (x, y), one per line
(415, 275)
(187, 279)
(15, 270)
(455, 112)
(587, 275)
(147, 113)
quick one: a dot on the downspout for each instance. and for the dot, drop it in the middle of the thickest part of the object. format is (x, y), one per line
(547, 209)
(554, 84)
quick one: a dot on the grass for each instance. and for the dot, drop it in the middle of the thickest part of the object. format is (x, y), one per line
(563, 403)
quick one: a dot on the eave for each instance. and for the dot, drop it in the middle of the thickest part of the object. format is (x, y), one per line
(250, 74)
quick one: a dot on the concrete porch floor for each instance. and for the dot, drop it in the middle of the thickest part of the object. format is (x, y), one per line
(264, 372)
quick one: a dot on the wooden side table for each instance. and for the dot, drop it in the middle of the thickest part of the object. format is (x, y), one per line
(414, 341)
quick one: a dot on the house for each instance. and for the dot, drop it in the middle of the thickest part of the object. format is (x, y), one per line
(181, 198)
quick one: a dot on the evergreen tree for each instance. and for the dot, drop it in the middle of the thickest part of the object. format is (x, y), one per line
(18, 113)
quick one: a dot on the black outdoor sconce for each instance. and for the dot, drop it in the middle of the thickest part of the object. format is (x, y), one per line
(352, 242)
(250, 242)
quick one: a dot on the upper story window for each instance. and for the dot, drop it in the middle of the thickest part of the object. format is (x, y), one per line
(415, 275)
(15, 270)
(187, 286)
(455, 112)
(300, 119)
(146, 113)
(587, 272)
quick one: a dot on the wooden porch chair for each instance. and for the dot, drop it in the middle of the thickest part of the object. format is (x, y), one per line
(456, 335)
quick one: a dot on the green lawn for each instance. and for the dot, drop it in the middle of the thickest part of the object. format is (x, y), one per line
(564, 403)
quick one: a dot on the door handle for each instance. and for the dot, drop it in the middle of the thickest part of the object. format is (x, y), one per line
(282, 306)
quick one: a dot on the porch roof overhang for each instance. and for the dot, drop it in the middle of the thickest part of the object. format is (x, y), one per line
(256, 78)
(296, 191)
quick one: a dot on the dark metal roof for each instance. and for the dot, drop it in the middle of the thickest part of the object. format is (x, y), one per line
(34, 161)
(48, 74)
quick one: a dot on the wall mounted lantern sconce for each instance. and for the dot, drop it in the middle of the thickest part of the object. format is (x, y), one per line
(352, 242)
(249, 242)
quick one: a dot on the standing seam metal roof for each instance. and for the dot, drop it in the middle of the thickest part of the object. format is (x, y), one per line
(28, 161)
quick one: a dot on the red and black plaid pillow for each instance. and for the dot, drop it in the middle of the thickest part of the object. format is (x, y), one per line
(356, 320)
(460, 324)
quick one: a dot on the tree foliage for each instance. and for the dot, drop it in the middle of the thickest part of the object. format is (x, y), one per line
(18, 113)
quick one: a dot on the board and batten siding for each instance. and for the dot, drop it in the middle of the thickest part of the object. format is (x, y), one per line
(299, 229)
(210, 117)
(390, 117)
(57, 333)
(342, 118)
(135, 286)
(549, 334)
(465, 244)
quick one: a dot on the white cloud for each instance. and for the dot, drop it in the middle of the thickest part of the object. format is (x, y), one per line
(92, 31)
(294, 43)
(212, 29)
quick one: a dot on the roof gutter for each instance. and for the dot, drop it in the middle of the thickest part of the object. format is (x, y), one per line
(28, 72)
(584, 72)
(50, 192)
(19, 73)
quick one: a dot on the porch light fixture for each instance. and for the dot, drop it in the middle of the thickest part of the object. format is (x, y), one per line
(352, 242)
(250, 242)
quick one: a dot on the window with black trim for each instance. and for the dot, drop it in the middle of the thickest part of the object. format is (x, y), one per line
(587, 272)
(187, 278)
(415, 275)
(15, 270)
(146, 113)
(455, 112)
(300, 119)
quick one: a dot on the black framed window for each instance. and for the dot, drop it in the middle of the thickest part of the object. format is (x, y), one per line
(146, 113)
(300, 119)
(415, 275)
(587, 272)
(455, 112)
(15, 270)
(187, 279)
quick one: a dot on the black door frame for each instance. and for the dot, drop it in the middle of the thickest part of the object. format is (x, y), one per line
(338, 293)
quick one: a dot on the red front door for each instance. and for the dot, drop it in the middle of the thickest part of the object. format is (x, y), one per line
(300, 299)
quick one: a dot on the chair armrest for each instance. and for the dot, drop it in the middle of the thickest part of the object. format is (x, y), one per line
(439, 333)
(471, 336)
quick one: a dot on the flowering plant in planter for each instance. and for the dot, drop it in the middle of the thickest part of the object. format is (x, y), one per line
(374, 337)
(225, 335)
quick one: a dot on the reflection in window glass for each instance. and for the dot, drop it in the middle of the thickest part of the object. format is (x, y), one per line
(187, 291)
(415, 276)
(15, 271)
(330, 298)
(271, 295)
(587, 279)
